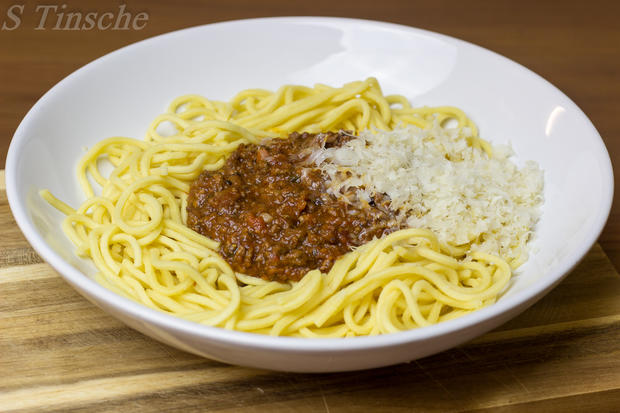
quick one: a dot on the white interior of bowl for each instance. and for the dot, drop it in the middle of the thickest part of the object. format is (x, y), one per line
(119, 95)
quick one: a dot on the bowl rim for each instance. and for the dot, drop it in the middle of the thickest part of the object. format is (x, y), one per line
(86, 285)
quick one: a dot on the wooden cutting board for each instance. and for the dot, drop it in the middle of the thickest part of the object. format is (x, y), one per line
(60, 353)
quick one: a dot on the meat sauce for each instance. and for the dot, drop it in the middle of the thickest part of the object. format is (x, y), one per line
(272, 215)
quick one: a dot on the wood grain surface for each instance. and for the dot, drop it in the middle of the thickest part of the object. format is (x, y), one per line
(59, 353)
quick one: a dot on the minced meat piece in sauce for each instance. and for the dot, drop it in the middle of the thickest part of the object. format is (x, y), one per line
(271, 212)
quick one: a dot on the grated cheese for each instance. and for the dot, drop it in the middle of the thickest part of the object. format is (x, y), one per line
(436, 180)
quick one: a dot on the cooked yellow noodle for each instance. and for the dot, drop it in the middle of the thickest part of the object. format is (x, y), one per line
(135, 232)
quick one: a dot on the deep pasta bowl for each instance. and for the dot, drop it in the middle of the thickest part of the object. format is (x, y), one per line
(120, 93)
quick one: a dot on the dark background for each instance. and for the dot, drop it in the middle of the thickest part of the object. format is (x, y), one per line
(573, 44)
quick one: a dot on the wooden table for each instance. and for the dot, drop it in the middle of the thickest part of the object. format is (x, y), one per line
(59, 353)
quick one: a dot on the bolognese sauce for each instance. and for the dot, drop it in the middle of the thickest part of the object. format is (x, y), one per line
(272, 215)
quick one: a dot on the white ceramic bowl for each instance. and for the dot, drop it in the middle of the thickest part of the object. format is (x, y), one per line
(120, 93)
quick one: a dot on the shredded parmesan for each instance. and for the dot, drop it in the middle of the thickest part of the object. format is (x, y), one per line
(436, 180)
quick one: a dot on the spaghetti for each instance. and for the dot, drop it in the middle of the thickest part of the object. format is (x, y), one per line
(134, 228)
